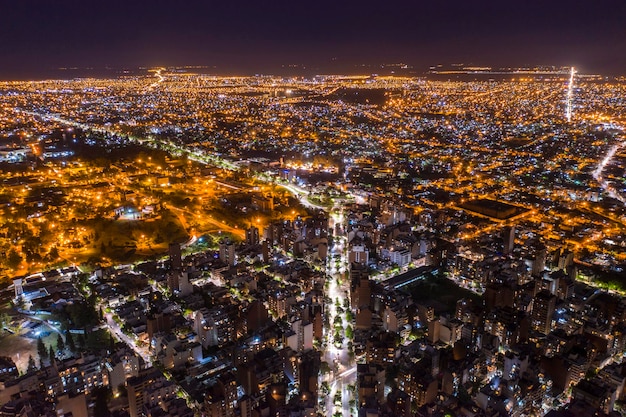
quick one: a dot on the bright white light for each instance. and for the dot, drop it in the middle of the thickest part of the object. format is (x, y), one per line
(597, 174)
(348, 372)
(570, 95)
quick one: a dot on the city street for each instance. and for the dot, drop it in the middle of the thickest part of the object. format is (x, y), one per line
(342, 365)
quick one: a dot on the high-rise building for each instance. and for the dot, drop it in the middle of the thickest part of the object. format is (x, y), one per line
(370, 383)
(178, 283)
(308, 366)
(360, 286)
(419, 385)
(359, 254)
(508, 238)
(539, 262)
(399, 403)
(158, 322)
(173, 281)
(176, 259)
(265, 251)
(543, 310)
(226, 387)
(215, 327)
(252, 236)
(566, 259)
(150, 386)
(273, 233)
(227, 252)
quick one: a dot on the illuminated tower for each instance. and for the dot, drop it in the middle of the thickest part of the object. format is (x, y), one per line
(543, 309)
(570, 95)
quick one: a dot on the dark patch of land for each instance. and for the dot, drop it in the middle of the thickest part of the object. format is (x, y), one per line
(491, 208)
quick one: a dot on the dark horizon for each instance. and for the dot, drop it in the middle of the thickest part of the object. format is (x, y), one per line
(252, 37)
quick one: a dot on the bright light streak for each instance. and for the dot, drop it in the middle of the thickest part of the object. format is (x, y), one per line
(160, 79)
(347, 372)
(570, 95)
(597, 174)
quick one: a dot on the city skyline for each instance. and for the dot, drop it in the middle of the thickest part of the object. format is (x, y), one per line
(248, 37)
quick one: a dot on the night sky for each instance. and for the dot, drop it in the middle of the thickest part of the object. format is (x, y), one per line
(263, 36)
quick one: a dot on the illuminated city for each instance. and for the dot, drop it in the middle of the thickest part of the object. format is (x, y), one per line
(390, 239)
